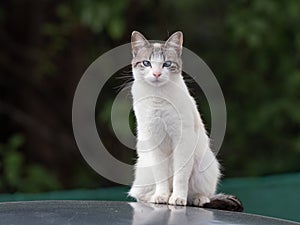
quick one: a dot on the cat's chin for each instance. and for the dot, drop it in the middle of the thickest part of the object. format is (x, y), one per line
(156, 82)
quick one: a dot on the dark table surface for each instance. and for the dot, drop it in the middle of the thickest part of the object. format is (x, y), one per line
(105, 212)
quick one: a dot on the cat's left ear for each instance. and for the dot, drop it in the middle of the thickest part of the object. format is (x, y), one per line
(175, 41)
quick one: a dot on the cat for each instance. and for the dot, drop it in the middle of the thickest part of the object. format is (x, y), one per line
(175, 164)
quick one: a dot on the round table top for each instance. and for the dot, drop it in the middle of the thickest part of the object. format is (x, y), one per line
(107, 212)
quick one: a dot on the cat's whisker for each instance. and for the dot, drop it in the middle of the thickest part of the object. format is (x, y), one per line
(123, 77)
(127, 84)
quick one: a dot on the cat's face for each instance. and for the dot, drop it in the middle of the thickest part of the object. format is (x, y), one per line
(156, 64)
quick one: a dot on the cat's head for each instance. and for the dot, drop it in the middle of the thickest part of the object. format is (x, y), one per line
(157, 63)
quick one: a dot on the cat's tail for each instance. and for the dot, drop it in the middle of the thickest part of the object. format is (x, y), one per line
(225, 202)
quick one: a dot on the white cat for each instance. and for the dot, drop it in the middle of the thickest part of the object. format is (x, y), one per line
(175, 164)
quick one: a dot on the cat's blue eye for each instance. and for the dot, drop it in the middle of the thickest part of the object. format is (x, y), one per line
(146, 63)
(167, 64)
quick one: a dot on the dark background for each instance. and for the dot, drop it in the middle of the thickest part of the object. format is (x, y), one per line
(253, 48)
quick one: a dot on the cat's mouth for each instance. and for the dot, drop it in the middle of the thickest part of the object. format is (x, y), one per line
(157, 81)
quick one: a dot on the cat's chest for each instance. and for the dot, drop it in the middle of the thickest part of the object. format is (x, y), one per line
(153, 107)
(157, 114)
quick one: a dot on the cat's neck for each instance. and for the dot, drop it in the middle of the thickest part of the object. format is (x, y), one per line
(174, 93)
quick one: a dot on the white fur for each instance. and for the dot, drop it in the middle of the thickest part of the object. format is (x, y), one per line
(175, 164)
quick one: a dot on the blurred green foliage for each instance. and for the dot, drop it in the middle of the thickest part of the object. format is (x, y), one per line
(251, 46)
(100, 15)
(264, 109)
(18, 175)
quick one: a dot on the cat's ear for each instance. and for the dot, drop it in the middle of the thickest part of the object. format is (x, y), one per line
(175, 42)
(138, 41)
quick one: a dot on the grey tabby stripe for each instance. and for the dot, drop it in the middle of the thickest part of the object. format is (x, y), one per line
(157, 53)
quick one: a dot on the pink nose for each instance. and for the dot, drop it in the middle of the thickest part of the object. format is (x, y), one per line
(157, 74)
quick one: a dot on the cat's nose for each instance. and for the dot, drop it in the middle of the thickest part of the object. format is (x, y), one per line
(157, 74)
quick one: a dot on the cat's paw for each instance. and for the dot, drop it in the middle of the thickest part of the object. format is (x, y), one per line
(177, 200)
(160, 198)
(200, 200)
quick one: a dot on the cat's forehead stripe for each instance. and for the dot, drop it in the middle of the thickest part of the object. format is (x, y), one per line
(157, 52)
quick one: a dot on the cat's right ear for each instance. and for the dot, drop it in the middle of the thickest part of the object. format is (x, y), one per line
(138, 41)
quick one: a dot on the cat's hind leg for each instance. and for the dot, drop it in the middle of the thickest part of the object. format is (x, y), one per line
(204, 178)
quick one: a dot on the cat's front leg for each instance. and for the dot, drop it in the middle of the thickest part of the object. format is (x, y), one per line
(183, 159)
(160, 171)
(143, 186)
(180, 185)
